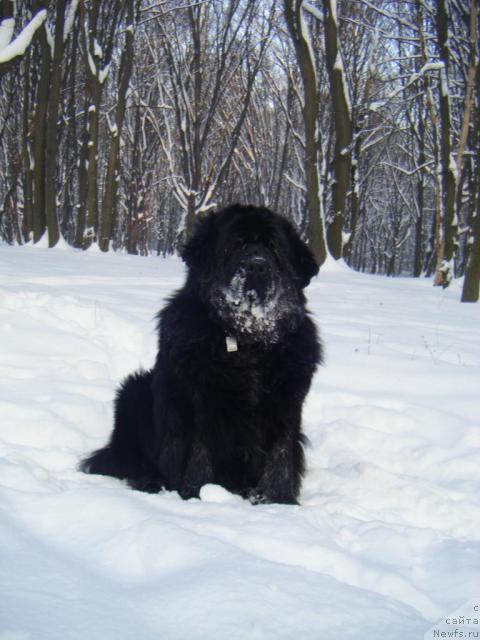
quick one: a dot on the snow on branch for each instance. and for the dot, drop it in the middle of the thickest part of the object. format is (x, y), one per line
(6, 32)
(69, 19)
(391, 16)
(406, 172)
(429, 66)
(313, 10)
(24, 38)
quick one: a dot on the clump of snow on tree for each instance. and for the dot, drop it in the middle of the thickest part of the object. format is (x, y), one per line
(18, 46)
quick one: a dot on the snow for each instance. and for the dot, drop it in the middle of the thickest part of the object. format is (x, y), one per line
(50, 40)
(70, 19)
(102, 76)
(386, 540)
(91, 64)
(444, 82)
(43, 243)
(7, 27)
(248, 313)
(18, 46)
(97, 49)
(113, 129)
(429, 66)
(333, 9)
(452, 166)
(313, 10)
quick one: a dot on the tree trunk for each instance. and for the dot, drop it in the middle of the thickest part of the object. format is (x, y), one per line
(190, 215)
(355, 202)
(343, 130)
(445, 257)
(132, 235)
(70, 207)
(435, 246)
(471, 283)
(110, 196)
(52, 128)
(38, 142)
(81, 217)
(418, 257)
(27, 223)
(134, 188)
(305, 61)
(92, 157)
(92, 61)
(196, 16)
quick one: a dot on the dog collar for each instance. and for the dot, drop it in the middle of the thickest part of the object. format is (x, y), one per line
(231, 343)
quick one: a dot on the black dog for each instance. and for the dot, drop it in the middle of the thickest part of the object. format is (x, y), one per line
(237, 352)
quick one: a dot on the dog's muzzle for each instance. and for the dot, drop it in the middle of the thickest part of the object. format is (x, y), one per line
(258, 272)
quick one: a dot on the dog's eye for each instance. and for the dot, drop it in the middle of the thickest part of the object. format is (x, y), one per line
(236, 245)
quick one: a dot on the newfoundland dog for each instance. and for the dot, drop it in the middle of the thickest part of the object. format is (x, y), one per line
(237, 352)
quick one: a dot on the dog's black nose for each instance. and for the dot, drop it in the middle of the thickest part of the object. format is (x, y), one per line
(258, 274)
(257, 265)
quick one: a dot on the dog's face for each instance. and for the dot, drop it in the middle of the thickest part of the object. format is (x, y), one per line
(250, 265)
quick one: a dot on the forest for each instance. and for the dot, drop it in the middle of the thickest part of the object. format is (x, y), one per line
(122, 121)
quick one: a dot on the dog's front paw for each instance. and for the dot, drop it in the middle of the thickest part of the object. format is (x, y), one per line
(189, 491)
(149, 485)
(255, 496)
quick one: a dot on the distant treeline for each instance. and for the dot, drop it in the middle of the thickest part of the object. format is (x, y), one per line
(121, 121)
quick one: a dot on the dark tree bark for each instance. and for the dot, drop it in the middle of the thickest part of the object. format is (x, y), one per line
(38, 138)
(471, 284)
(436, 240)
(99, 22)
(197, 24)
(52, 129)
(418, 256)
(69, 207)
(343, 131)
(445, 266)
(27, 222)
(316, 235)
(94, 94)
(109, 204)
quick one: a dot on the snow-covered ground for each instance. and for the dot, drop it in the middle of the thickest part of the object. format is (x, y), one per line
(386, 541)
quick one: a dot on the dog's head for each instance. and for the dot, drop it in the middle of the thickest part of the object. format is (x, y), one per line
(251, 266)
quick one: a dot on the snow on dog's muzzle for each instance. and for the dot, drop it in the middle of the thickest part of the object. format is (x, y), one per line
(258, 274)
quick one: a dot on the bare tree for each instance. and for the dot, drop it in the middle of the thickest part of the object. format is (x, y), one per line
(99, 24)
(12, 49)
(305, 58)
(121, 122)
(342, 118)
(108, 212)
(211, 50)
(51, 133)
(471, 285)
(446, 247)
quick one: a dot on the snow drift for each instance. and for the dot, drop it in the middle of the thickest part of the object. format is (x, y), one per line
(386, 541)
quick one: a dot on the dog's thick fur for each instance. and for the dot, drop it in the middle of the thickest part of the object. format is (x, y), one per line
(206, 414)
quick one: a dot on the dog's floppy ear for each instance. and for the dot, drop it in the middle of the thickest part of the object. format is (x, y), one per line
(198, 250)
(303, 259)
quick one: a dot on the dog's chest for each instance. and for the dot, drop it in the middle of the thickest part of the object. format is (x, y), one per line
(251, 370)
